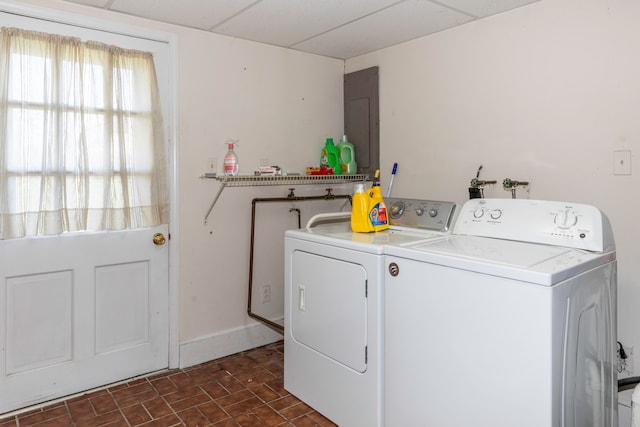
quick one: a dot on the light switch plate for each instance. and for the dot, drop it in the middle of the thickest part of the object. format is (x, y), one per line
(212, 165)
(622, 162)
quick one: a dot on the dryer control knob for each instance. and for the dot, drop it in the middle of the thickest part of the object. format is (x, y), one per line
(397, 209)
(419, 211)
(478, 213)
(496, 214)
(433, 212)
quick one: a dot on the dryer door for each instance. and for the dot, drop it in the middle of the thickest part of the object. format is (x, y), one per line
(329, 308)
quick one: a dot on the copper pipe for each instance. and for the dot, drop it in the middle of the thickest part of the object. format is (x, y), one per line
(291, 197)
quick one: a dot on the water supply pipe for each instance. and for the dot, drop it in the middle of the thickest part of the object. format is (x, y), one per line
(291, 197)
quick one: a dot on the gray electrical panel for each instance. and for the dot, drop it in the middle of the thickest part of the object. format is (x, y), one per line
(362, 118)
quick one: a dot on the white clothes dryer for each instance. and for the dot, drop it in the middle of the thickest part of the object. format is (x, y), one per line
(509, 321)
(333, 309)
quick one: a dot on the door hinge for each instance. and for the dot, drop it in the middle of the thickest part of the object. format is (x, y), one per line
(366, 288)
(366, 354)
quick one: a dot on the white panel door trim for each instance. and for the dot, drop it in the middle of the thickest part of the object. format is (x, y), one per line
(114, 294)
(51, 342)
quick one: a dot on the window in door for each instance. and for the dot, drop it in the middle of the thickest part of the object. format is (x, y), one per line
(81, 137)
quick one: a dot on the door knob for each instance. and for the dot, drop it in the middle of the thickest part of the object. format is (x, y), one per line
(159, 239)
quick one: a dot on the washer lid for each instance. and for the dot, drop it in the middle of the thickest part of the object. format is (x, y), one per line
(505, 252)
(530, 262)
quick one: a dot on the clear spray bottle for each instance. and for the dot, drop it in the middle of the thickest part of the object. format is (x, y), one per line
(231, 165)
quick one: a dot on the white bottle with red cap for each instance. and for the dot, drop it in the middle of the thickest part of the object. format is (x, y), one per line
(231, 165)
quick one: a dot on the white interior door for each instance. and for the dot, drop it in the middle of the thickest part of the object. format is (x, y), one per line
(83, 310)
(80, 311)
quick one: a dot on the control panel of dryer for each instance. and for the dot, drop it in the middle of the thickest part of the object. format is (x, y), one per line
(571, 225)
(422, 214)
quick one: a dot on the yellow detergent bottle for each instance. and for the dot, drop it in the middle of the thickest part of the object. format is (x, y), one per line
(377, 209)
(360, 210)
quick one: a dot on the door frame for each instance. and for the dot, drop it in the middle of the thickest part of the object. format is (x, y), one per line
(171, 126)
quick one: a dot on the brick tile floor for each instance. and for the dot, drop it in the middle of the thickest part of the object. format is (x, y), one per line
(244, 389)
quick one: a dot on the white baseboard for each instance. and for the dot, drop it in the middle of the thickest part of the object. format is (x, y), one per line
(224, 343)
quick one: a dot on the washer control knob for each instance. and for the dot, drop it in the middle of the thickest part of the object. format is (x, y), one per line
(433, 212)
(565, 219)
(478, 213)
(419, 211)
(496, 214)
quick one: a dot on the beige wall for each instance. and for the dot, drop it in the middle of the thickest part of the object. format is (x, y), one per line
(544, 93)
(281, 104)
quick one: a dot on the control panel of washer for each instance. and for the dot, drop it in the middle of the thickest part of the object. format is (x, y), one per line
(423, 214)
(572, 225)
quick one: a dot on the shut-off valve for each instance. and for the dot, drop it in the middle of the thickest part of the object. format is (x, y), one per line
(476, 187)
(511, 185)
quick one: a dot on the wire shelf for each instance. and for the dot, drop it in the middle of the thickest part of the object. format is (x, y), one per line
(249, 180)
(255, 181)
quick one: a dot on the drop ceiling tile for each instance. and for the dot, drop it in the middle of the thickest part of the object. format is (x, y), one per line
(405, 21)
(482, 8)
(285, 22)
(336, 28)
(202, 14)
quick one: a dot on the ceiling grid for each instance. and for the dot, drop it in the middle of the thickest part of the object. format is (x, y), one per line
(336, 28)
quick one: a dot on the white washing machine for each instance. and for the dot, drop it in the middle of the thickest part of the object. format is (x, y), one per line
(625, 407)
(509, 321)
(334, 307)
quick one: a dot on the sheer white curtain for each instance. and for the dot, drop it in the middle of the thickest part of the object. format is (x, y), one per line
(82, 146)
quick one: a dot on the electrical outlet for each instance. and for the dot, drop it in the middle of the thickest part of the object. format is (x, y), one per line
(625, 366)
(265, 296)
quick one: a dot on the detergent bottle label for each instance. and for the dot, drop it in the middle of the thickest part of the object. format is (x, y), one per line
(324, 157)
(378, 214)
(360, 222)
